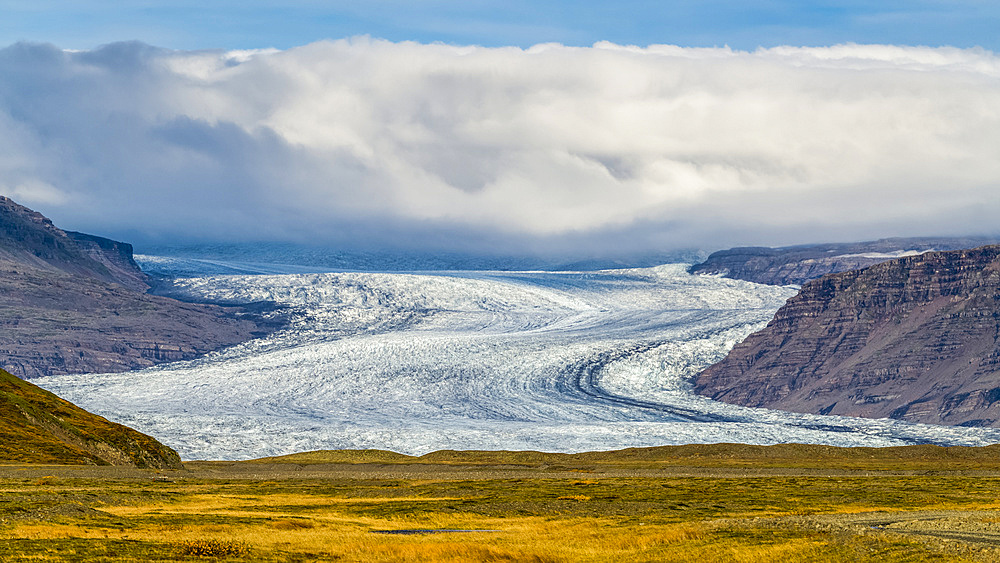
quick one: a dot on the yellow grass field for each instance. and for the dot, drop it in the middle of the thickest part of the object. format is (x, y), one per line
(713, 503)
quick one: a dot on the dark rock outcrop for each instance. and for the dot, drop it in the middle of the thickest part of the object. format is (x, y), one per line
(795, 265)
(38, 427)
(29, 238)
(76, 303)
(115, 256)
(916, 338)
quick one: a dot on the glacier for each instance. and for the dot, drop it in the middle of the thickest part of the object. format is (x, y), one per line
(421, 361)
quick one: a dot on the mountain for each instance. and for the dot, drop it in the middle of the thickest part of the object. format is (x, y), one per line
(38, 427)
(916, 338)
(115, 256)
(29, 238)
(795, 265)
(75, 303)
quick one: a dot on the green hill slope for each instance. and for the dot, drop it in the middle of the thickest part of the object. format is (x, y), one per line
(39, 427)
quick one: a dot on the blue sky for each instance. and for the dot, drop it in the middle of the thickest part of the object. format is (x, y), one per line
(230, 24)
(631, 129)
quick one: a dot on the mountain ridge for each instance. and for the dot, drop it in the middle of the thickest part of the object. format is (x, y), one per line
(78, 303)
(30, 238)
(795, 265)
(915, 338)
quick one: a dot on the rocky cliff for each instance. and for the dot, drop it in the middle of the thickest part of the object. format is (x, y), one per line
(29, 238)
(795, 265)
(76, 303)
(38, 427)
(916, 338)
(113, 255)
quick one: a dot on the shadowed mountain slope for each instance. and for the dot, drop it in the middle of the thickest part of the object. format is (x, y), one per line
(38, 427)
(29, 238)
(76, 303)
(795, 265)
(916, 338)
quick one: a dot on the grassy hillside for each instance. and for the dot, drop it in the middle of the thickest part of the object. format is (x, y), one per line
(39, 427)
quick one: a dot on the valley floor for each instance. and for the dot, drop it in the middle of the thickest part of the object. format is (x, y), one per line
(702, 503)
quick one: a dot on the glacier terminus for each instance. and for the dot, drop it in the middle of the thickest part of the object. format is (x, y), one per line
(423, 361)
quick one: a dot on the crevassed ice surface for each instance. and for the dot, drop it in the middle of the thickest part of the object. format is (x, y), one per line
(472, 360)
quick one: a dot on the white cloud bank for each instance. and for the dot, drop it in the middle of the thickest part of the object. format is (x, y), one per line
(364, 140)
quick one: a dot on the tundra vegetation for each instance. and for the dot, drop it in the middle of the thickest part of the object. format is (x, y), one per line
(685, 503)
(39, 427)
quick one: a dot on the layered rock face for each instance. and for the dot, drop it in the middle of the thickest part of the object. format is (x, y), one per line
(795, 265)
(115, 256)
(916, 338)
(76, 303)
(29, 238)
(38, 427)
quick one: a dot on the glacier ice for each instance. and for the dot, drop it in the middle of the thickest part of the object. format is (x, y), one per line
(415, 362)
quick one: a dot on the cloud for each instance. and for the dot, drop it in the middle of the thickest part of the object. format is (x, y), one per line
(371, 142)
(34, 192)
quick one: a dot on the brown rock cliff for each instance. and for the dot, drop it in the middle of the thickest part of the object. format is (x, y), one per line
(77, 303)
(795, 265)
(916, 338)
